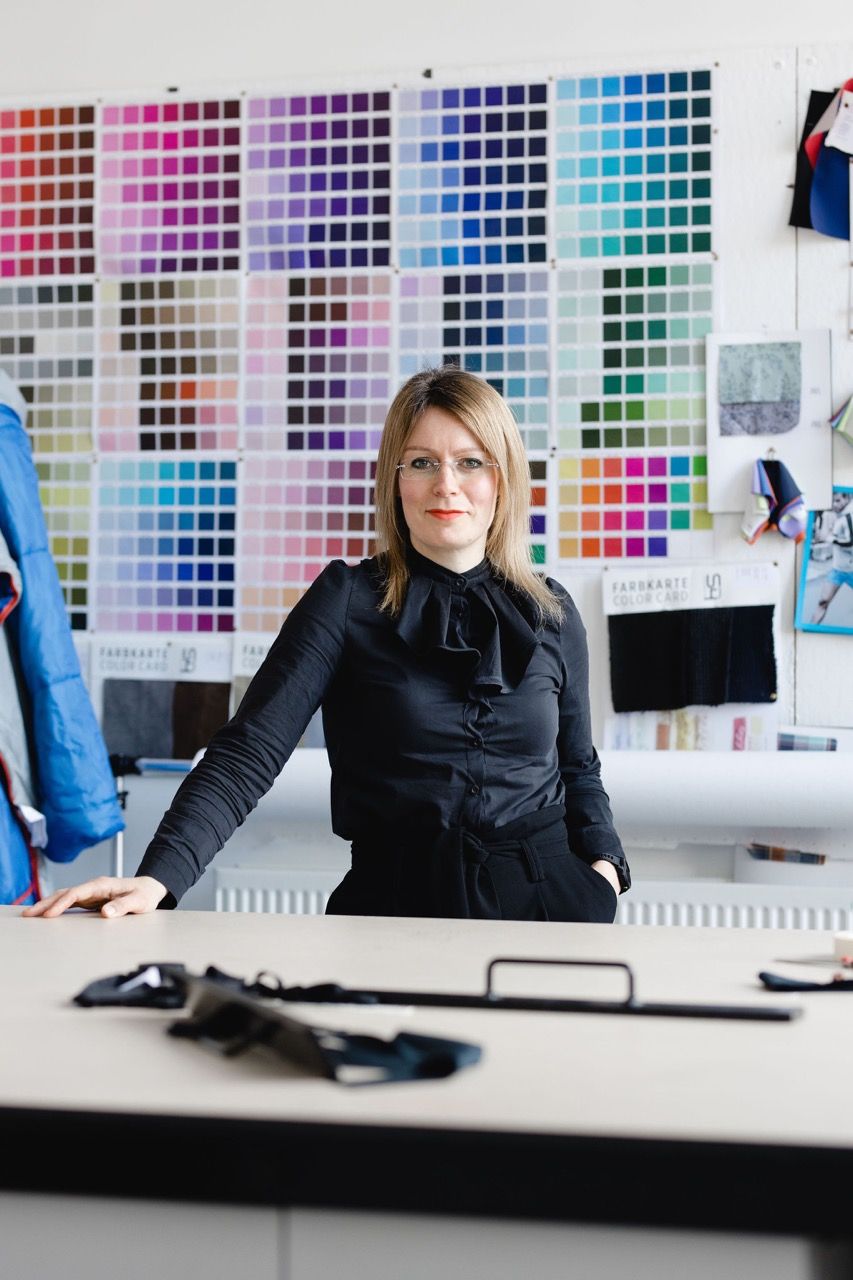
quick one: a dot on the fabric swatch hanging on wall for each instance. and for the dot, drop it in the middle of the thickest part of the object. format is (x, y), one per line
(801, 216)
(692, 657)
(166, 719)
(822, 185)
(696, 636)
(775, 501)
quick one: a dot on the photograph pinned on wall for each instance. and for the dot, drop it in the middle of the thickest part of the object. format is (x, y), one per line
(825, 596)
(768, 395)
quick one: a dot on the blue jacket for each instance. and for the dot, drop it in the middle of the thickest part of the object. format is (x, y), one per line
(75, 789)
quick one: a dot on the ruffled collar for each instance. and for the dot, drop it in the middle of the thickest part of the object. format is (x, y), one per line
(469, 613)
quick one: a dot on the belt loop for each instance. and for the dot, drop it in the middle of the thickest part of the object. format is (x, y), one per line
(531, 862)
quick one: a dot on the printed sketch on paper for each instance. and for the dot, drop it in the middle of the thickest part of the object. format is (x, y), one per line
(759, 388)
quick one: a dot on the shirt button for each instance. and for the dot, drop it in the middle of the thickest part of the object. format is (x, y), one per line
(460, 582)
(474, 791)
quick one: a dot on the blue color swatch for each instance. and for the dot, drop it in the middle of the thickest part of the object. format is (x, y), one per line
(633, 165)
(472, 174)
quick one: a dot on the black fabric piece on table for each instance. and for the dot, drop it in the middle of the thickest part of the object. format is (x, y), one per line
(167, 990)
(130, 990)
(801, 216)
(688, 657)
(776, 982)
(234, 1021)
(241, 1021)
(407, 1056)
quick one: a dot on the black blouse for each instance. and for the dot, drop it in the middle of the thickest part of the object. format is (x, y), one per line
(459, 713)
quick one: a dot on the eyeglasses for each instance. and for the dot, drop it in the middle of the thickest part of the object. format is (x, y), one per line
(428, 468)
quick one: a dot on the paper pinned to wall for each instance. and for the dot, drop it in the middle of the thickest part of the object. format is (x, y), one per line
(626, 589)
(733, 727)
(759, 388)
(768, 391)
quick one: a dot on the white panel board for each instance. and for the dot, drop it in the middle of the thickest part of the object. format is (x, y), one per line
(824, 690)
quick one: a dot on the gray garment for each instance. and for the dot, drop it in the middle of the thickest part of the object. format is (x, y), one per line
(138, 717)
(14, 748)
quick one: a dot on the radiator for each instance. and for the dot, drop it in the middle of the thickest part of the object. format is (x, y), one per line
(684, 902)
(737, 906)
(291, 892)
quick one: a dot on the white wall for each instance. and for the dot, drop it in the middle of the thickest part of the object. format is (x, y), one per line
(121, 44)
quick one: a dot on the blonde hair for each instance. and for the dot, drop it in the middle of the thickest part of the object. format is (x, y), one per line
(484, 413)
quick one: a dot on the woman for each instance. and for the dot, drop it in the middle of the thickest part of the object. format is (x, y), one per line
(454, 687)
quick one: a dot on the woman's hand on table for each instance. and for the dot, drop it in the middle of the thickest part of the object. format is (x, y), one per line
(113, 896)
(607, 869)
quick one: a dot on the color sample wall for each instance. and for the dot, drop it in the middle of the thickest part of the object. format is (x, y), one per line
(251, 277)
(247, 308)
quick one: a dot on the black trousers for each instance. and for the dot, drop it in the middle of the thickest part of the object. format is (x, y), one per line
(524, 870)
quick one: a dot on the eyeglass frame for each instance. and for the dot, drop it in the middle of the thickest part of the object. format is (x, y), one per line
(434, 469)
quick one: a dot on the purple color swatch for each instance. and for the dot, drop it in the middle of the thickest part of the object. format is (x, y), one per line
(318, 181)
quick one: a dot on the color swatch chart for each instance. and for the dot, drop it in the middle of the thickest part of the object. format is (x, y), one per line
(318, 178)
(209, 301)
(169, 364)
(299, 513)
(47, 190)
(630, 383)
(166, 546)
(633, 505)
(631, 356)
(473, 175)
(169, 187)
(493, 323)
(66, 493)
(47, 346)
(539, 483)
(317, 361)
(633, 165)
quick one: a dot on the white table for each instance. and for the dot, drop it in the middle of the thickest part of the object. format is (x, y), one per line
(594, 1144)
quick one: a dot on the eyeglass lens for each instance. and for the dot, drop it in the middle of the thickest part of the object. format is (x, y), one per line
(463, 468)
